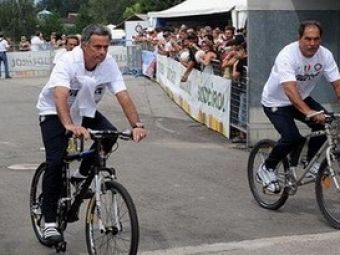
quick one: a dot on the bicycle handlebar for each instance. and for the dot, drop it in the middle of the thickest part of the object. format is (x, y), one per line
(99, 134)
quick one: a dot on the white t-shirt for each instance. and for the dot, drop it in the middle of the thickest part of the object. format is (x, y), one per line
(86, 88)
(291, 65)
(3, 45)
(36, 43)
(58, 54)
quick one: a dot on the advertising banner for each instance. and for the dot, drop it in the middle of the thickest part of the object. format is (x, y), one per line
(204, 97)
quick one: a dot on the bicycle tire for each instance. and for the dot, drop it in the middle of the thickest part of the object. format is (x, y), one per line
(327, 196)
(36, 201)
(129, 226)
(257, 156)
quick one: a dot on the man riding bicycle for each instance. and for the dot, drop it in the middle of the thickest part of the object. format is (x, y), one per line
(67, 104)
(286, 96)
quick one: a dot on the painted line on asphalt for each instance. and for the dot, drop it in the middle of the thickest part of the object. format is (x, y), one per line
(24, 166)
(158, 124)
(243, 245)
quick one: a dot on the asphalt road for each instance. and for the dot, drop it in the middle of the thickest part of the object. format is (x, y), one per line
(189, 184)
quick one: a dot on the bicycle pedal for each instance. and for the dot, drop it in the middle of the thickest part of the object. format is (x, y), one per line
(61, 246)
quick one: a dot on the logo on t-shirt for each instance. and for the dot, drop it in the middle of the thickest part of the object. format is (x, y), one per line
(310, 72)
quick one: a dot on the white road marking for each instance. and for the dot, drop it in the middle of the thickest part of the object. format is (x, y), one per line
(158, 124)
(23, 166)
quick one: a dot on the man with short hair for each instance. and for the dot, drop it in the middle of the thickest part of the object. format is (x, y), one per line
(71, 42)
(286, 96)
(4, 46)
(67, 103)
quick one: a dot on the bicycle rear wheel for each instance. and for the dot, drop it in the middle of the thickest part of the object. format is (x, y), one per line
(36, 202)
(327, 194)
(257, 157)
(119, 216)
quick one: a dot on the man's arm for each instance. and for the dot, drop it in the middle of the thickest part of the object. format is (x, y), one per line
(131, 114)
(61, 95)
(336, 86)
(290, 89)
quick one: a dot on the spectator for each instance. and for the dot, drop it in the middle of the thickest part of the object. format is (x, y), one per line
(37, 41)
(24, 44)
(4, 46)
(71, 42)
(229, 57)
(239, 69)
(209, 54)
(192, 63)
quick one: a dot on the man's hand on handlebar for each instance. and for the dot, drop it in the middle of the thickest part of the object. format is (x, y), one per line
(317, 117)
(78, 131)
(138, 134)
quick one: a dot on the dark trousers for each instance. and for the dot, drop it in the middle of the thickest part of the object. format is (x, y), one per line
(3, 58)
(55, 142)
(283, 120)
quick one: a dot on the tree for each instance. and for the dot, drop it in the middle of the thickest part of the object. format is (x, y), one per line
(108, 11)
(157, 5)
(62, 7)
(49, 24)
(17, 17)
(84, 18)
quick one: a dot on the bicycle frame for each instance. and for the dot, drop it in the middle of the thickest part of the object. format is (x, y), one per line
(325, 151)
(101, 157)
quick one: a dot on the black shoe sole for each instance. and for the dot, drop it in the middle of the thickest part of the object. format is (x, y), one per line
(52, 240)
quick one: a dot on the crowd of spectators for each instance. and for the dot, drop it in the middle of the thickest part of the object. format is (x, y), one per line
(38, 42)
(209, 50)
(212, 50)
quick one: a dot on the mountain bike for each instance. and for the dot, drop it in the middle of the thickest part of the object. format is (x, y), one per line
(111, 223)
(292, 171)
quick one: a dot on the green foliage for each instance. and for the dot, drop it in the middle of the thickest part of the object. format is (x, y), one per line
(62, 7)
(136, 8)
(17, 18)
(84, 18)
(49, 24)
(157, 5)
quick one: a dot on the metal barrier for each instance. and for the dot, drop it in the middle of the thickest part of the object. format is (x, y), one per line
(134, 60)
(239, 104)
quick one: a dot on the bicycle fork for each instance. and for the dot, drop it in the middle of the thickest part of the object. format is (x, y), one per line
(115, 209)
(98, 203)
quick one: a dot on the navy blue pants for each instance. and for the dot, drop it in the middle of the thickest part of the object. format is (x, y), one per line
(283, 120)
(55, 142)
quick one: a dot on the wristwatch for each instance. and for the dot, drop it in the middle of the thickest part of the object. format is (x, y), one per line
(138, 125)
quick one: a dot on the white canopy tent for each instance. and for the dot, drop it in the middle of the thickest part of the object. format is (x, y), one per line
(238, 10)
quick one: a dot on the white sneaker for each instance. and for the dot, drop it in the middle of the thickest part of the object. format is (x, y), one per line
(269, 179)
(51, 235)
(313, 171)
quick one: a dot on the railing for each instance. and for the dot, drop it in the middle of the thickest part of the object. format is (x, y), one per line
(239, 104)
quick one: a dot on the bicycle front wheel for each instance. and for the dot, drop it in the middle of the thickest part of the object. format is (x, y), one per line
(327, 193)
(120, 232)
(257, 157)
